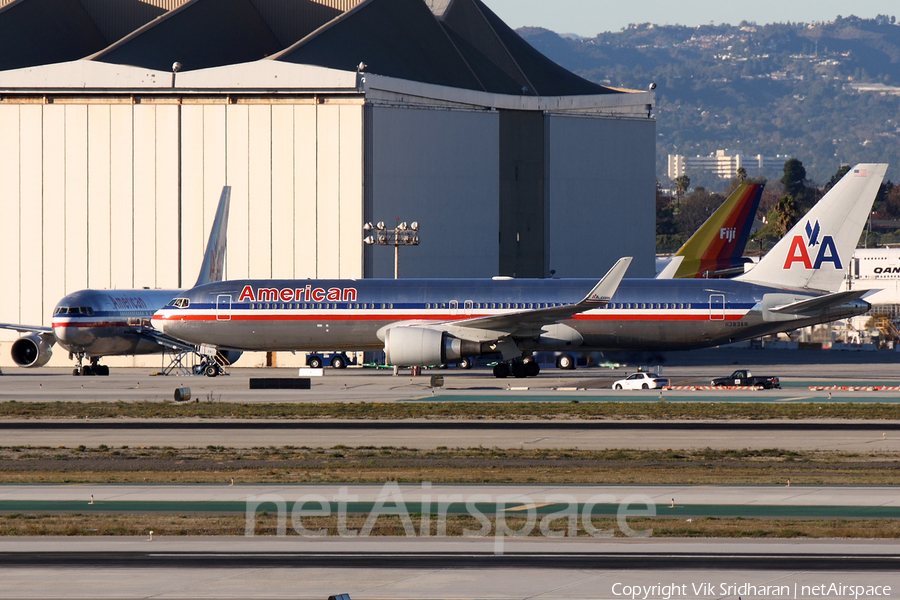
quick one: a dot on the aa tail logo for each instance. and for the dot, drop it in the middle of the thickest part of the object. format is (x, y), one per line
(827, 251)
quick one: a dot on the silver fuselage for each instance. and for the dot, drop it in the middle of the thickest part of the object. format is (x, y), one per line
(353, 314)
(104, 322)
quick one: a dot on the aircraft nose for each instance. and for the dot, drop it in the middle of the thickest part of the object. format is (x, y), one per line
(62, 331)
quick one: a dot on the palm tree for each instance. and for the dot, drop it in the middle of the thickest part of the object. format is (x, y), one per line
(681, 186)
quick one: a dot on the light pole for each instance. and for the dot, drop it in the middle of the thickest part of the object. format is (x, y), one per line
(176, 66)
(403, 235)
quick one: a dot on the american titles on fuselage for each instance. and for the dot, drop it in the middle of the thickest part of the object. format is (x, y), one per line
(302, 294)
(128, 302)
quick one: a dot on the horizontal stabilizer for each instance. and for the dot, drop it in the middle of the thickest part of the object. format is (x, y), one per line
(815, 305)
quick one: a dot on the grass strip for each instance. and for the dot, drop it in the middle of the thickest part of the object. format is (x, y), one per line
(573, 409)
(18, 524)
(342, 464)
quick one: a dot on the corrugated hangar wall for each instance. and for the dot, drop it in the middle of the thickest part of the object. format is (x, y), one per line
(600, 194)
(89, 196)
(440, 168)
(516, 193)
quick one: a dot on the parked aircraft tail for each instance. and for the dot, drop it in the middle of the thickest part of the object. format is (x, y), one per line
(815, 253)
(213, 267)
(717, 248)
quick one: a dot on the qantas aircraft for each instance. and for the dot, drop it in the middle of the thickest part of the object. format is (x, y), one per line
(717, 248)
(90, 324)
(435, 321)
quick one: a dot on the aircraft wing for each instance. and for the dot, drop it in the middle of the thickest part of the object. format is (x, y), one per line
(530, 322)
(671, 268)
(26, 328)
(819, 303)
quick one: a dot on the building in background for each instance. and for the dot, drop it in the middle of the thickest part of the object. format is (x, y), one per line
(725, 165)
(322, 115)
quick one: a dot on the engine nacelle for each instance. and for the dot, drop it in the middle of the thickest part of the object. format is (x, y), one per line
(554, 337)
(31, 351)
(420, 347)
(228, 357)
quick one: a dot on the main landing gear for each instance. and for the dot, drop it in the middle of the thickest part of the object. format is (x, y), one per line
(517, 368)
(92, 369)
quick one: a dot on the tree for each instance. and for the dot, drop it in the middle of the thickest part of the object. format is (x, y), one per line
(741, 174)
(786, 215)
(839, 174)
(681, 186)
(794, 178)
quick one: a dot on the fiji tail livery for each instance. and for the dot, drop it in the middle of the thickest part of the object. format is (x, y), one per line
(717, 248)
(431, 321)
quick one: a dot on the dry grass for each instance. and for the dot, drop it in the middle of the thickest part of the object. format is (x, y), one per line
(573, 409)
(216, 464)
(266, 525)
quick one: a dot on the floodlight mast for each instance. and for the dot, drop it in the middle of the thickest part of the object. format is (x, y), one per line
(405, 234)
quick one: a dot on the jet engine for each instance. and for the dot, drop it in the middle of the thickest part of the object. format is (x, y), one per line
(32, 350)
(228, 357)
(419, 347)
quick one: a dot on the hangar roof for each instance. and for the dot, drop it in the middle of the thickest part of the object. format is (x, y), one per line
(458, 43)
(46, 31)
(398, 38)
(198, 34)
(449, 44)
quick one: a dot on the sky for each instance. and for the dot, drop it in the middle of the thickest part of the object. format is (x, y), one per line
(590, 17)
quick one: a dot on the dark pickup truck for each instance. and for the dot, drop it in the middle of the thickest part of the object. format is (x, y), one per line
(743, 377)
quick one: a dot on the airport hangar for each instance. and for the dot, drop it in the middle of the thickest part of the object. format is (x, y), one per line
(111, 164)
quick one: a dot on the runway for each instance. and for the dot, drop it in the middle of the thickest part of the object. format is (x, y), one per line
(664, 500)
(847, 436)
(435, 568)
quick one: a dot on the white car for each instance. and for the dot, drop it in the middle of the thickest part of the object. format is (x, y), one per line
(641, 381)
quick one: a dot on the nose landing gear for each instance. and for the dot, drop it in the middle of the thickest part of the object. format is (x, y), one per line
(92, 369)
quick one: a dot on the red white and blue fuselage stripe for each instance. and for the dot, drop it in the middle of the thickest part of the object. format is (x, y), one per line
(657, 314)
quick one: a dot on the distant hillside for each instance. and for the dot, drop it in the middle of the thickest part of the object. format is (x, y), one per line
(826, 93)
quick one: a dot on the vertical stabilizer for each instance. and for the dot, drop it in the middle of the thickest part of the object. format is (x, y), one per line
(213, 267)
(815, 253)
(717, 248)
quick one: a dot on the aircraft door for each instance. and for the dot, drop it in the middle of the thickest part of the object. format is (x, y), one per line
(454, 308)
(717, 307)
(469, 306)
(223, 307)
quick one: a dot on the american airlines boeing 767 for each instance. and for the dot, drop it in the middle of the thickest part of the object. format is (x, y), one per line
(91, 324)
(433, 321)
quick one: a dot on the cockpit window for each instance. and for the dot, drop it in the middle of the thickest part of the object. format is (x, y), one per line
(180, 302)
(74, 310)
